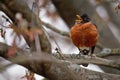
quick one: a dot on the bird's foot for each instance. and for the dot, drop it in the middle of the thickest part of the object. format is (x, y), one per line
(79, 55)
(91, 56)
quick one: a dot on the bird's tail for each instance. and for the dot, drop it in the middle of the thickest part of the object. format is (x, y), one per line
(85, 65)
(85, 52)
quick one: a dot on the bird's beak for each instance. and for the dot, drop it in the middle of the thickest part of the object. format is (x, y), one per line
(79, 19)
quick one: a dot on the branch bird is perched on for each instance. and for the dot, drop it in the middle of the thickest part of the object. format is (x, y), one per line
(84, 35)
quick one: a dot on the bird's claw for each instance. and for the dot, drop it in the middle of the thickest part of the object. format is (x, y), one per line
(91, 56)
(79, 55)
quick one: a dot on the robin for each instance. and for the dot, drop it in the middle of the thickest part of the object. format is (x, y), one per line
(84, 35)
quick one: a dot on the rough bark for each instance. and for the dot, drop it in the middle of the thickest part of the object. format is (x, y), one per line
(59, 70)
(74, 58)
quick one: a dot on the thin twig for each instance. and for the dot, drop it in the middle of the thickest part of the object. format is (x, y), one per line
(55, 29)
(37, 41)
(60, 53)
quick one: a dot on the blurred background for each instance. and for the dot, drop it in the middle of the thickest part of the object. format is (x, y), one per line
(61, 14)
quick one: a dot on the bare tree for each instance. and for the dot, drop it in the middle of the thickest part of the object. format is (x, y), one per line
(40, 58)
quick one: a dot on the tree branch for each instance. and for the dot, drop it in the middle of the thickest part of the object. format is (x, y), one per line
(104, 53)
(20, 6)
(5, 9)
(55, 29)
(94, 60)
(59, 70)
(97, 61)
(53, 69)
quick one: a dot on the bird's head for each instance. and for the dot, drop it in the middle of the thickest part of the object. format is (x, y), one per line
(82, 19)
(85, 18)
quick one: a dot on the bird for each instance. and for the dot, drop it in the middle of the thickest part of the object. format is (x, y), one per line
(84, 35)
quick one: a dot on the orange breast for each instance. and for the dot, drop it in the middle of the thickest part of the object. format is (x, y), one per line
(84, 35)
